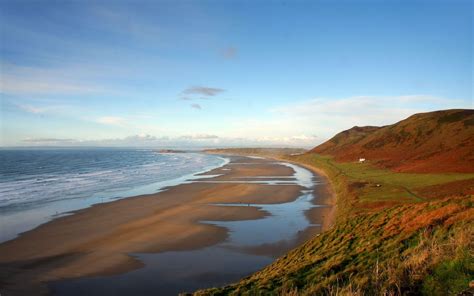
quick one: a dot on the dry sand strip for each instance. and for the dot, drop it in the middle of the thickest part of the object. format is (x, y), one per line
(97, 240)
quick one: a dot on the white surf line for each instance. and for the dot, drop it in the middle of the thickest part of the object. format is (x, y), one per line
(265, 177)
(262, 182)
(161, 186)
(252, 163)
(303, 176)
(255, 157)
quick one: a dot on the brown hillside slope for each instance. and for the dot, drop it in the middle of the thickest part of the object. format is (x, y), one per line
(440, 141)
(415, 249)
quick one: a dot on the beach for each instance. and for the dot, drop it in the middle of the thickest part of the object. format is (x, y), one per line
(97, 241)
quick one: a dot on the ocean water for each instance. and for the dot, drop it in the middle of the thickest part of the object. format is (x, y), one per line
(38, 185)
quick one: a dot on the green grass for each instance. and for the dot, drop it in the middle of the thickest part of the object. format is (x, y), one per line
(409, 180)
(395, 187)
(450, 276)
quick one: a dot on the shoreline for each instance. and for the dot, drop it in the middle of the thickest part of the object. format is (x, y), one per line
(327, 194)
(45, 212)
(67, 247)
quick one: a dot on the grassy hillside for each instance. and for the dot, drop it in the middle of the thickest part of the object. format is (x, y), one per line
(362, 187)
(441, 141)
(402, 237)
(407, 249)
(397, 232)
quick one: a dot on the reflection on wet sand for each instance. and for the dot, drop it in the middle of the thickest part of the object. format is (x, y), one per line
(250, 245)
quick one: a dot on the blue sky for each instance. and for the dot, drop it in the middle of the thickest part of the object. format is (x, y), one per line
(225, 73)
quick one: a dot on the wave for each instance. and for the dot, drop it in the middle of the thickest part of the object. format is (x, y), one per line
(45, 176)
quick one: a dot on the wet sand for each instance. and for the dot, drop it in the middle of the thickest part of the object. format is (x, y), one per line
(98, 240)
(325, 215)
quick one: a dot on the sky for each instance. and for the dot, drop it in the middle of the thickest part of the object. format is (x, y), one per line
(225, 73)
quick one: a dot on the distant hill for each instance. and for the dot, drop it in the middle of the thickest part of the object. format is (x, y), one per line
(440, 141)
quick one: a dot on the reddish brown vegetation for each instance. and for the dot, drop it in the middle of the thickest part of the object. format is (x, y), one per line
(441, 141)
(415, 216)
(465, 216)
(414, 249)
(463, 187)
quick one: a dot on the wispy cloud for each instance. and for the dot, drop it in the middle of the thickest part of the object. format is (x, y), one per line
(142, 137)
(49, 141)
(112, 120)
(39, 110)
(41, 85)
(203, 90)
(196, 106)
(364, 108)
(134, 140)
(344, 113)
(21, 80)
(193, 140)
(199, 137)
(146, 29)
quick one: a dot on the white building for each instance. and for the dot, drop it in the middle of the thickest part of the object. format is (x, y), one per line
(361, 160)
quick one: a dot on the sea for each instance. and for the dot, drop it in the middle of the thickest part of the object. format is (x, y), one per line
(37, 185)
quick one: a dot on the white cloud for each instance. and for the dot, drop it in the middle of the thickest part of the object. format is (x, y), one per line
(303, 138)
(326, 117)
(64, 79)
(302, 141)
(199, 137)
(40, 109)
(42, 85)
(49, 141)
(186, 141)
(304, 123)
